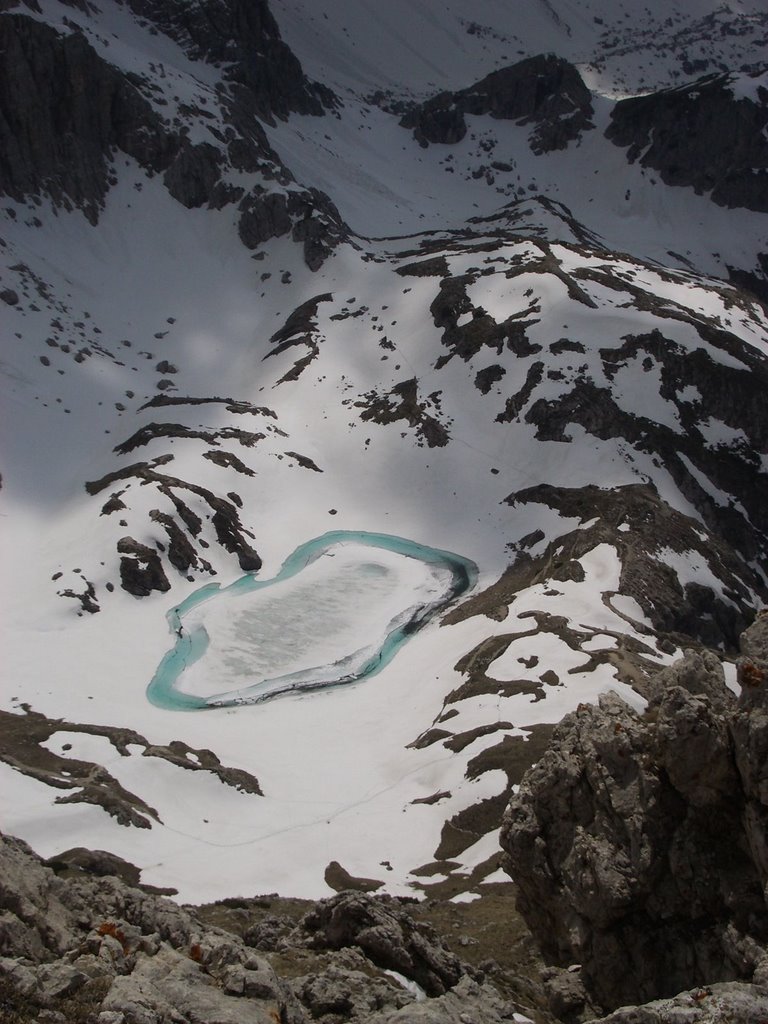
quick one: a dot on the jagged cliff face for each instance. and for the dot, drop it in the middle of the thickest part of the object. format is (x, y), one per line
(67, 111)
(638, 842)
(245, 38)
(243, 309)
(709, 135)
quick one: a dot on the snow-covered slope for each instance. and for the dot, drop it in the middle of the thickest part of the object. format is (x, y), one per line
(235, 318)
(623, 48)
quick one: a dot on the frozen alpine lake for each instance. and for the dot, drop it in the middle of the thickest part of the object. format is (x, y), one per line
(337, 611)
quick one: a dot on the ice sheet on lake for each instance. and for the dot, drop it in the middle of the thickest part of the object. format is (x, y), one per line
(337, 611)
(343, 603)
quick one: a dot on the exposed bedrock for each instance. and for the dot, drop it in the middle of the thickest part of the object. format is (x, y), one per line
(90, 947)
(59, 138)
(25, 745)
(387, 935)
(647, 534)
(639, 843)
(545, 91)
(56, 134)
(403, 402)
(141, 570)
(142, 959)
(730, 1002)
(728, 393)
(308, 214)
(141, 567)
(244, 35)
(706, 135)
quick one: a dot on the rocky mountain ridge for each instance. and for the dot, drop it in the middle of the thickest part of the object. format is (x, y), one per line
(60, 140)
(638, 841)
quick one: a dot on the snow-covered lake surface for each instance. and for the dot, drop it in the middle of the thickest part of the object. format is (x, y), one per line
(337, 611)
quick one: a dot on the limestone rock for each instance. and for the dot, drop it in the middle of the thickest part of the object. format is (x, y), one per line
(18, 975)
(639, 843)
(39, 913)
(59, 139)
(141, 570)
(266, 934)
(348, 993)
(171, 987)
(702, 135)
(566, 995)
(95, 862)
(244, 36)
(162, 965)
(545, 91)
(670, 607)
(193, 175)
(754, 641)
(55, 135)
(309, 215)
(468, 1003)
(387, 936)
(732, 1002)
(698, 672)
(57, 980)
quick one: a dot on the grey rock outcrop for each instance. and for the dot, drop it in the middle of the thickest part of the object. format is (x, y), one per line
(686, 611)
(387, 935)
(59, 139)
(468, 1001)
(193, 176)
(141, 570)
(95, 862)
(170, 986)
(57, 136)
(545, 91)
(244, 36)
(35, 922)
(153, 960)
(347, 993)
(728, 1003)
(309, 216)
(24, 745)
(699, 672)
(129, 957)
(645, 531)
(734, 396)
(639, 842)
(704, 135)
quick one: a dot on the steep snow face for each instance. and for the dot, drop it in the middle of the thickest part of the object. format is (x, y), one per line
(215, 369)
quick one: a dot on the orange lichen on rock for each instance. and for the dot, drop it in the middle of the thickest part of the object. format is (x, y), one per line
(752, 675)
(110, 928)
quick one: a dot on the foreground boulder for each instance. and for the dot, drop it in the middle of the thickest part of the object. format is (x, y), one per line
(93, 942)
(640, 842)
(388, 936)
(732, 1002)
